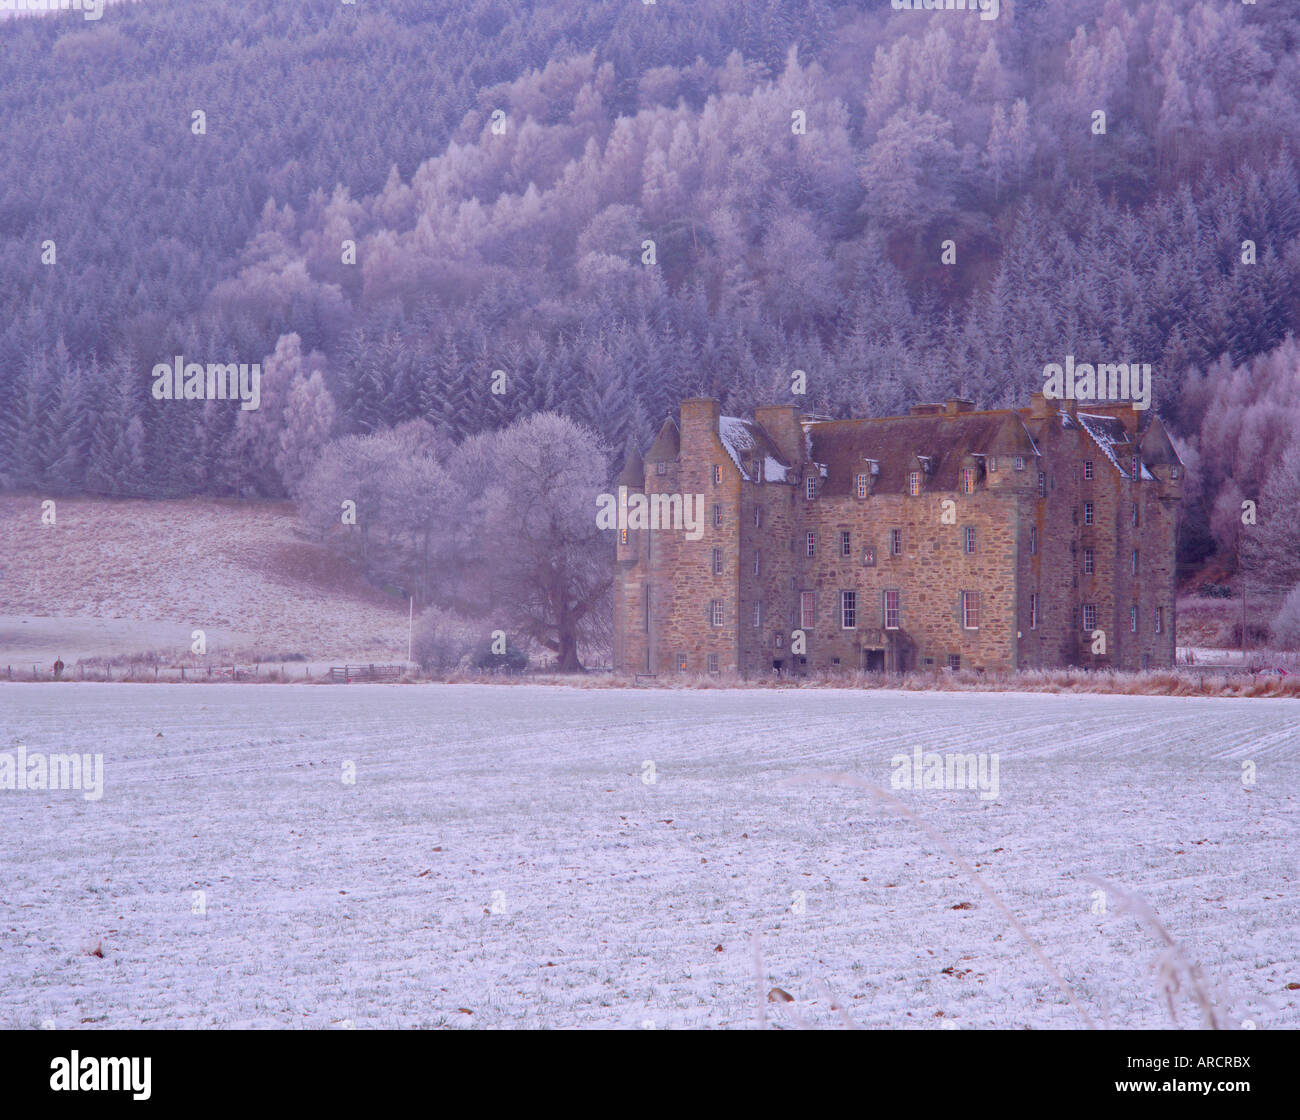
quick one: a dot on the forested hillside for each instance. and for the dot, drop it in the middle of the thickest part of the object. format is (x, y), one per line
(620, 204)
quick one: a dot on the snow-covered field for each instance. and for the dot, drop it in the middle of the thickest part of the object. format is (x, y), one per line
(502, 859)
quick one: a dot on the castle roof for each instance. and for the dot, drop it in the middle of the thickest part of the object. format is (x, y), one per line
(752, 450)
(667, 444)
(633, 472)
(898, 444)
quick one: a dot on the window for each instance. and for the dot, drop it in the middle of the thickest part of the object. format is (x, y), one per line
(807, 609)
(895, 542)
(646, 609)
(1020, 462)
(1089, 617)
(622, 536)
(1033, 611)
(868, 557)
(778, 638)
(1135, 515)
(1088, 564)
(715, 612)
(954, 662)
(892, 608)
(1137, 467)
(970, 610)
(758, 613)
(970, 540)
(810, 543)
(717, 515)
(846, 546)
(812, 487)
(717, 474)
(1174, 472)
(1087, 513)
(1133, 619)
(1087, 468)
(914, 483)
(863, 485)
(758, 517)
(661, 467)
(713, 663)
(1033, 540)
(1134, 562)
(848, 609)
(757, 555)
(1042, 485)
(717, 561)
(968, 480)
(1160, 620)
(681, 662)
(992, 462)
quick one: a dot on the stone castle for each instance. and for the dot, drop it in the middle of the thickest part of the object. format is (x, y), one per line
(1023, 538)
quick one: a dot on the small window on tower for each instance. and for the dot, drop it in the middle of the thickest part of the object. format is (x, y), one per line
(812, 487)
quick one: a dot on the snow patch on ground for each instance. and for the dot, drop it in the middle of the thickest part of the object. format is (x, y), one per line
(621, 902)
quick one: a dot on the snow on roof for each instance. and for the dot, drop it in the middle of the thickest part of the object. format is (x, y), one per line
(1107, 432)
(743, 440)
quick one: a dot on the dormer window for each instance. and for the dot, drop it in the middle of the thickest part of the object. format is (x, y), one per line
(1174, 472)
(968, 480)
(864, 484)
(812, 487)
(914, 483)
(1020, 462)
(993, 462)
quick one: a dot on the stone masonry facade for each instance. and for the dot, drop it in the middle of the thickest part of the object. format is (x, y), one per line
(1027, 538)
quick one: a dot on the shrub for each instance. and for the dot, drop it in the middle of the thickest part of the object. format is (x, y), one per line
(1286, 623)
(442, 640)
